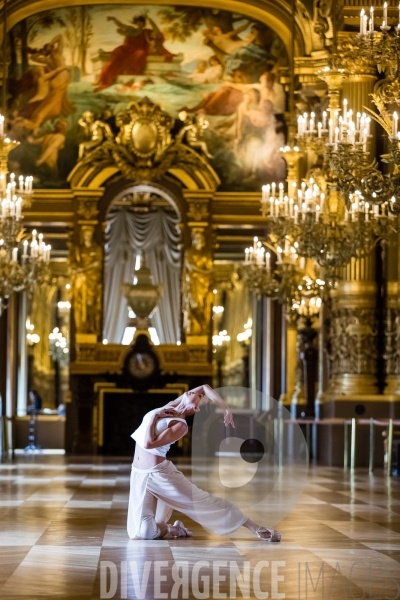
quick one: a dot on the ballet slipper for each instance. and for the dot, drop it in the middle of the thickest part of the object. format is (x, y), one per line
(181, 527)
(274, 536)
(174, 531)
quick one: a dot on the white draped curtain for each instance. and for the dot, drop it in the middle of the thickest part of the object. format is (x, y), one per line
(129, 234)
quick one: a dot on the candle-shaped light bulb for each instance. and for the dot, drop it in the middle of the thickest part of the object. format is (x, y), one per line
(281, 191)
(15, 255)
(365, 139)
(362, 21)
(366, 212)
(18, 208)
(384, 14)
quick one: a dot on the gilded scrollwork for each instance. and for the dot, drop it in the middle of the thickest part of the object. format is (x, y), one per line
(198, 210)
(87, 208)
(322, 23)
(145, 147)
(392, 341)
(352, 343)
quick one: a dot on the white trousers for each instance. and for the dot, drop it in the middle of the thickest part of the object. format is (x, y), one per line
(156, 492)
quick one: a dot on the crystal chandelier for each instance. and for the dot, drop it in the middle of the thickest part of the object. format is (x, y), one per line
(380, 47)
(287, 282)
(344, 142)
(323, 229)
(59, 347)
(281, 281)
(22, 264)
(308, 303)
(350, 162)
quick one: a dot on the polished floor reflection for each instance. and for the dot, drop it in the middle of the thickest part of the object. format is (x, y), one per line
(63, 536)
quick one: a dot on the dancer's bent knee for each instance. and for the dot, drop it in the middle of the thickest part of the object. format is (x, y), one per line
(149, 529)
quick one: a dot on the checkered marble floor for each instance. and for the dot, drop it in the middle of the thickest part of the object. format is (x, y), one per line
(61, 519)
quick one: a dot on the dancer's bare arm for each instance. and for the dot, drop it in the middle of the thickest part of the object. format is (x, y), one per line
(173, 432)
(201, 395)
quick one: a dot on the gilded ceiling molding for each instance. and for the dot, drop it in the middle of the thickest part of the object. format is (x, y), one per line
(276, 14)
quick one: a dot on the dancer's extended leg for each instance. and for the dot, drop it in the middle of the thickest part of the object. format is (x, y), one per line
(215, 514)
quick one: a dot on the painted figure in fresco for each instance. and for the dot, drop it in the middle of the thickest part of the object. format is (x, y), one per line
(51, 143)
(269, 90)
(55, 102)
(208, 74)
(251, 56)
(196, 285)
(246, 55)
(228, 42)
(86, 263)
(229, 97)
(131, 57)
(259, 137)
(198, 75)
(95, 132)
(192, 131)
(221, 52)
(40, 80)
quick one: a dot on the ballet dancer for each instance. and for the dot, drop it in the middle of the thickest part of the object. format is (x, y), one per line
(157, 487)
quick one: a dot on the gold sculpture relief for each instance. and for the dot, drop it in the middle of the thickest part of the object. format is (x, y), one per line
(86, 266)
(87, 208)
(198, 210)
(197, 280)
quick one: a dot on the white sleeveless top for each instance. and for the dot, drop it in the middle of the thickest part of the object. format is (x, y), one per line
(161, 425)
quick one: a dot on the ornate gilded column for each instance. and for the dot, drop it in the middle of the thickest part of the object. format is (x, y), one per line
(358, 87)
(289, 346)
(85, 261)
(353, 333)
(86, 255)
(352, 344)
(298, 398)
(197, 270)
(392, 321)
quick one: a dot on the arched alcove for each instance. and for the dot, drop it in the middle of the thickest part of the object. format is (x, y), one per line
(142, 227)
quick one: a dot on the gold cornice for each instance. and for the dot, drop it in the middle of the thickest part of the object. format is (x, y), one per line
(235, 219)
(99, 358)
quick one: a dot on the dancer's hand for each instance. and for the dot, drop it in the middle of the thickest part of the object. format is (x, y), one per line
(165, 413)
(228, 418)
